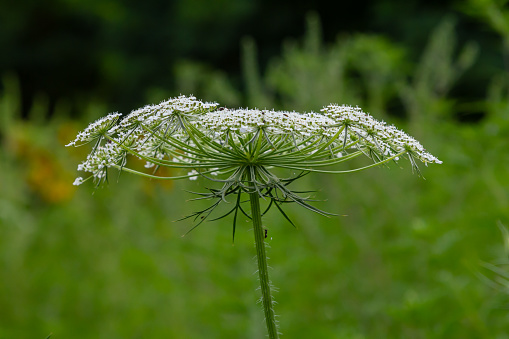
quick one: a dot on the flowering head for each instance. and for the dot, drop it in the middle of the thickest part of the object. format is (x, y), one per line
(238, 148)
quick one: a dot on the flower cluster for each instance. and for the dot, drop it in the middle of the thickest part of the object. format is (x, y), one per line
(198, 136)
(96, 130)
(99, 161)
(272, 122)
(386, 137)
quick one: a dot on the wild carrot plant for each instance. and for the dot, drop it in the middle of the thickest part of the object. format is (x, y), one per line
(243, 151)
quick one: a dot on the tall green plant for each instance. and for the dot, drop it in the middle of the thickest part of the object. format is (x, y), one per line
(239, 149)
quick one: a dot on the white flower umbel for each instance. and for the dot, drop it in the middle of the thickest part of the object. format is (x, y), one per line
(387, 138)
(96, 130)
(238, 149)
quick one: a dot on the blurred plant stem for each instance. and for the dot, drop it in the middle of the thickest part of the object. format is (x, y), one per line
(262, 265)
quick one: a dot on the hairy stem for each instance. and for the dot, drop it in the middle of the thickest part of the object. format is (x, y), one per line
(262, 266)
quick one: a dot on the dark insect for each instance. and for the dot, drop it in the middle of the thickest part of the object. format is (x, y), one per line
(265, 233)
(221, 108)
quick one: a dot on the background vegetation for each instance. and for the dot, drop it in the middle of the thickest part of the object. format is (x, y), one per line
(410, 258)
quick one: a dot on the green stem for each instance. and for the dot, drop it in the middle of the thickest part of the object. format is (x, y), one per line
(262, 266)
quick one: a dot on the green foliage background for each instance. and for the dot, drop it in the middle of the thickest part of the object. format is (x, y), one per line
(403, 261)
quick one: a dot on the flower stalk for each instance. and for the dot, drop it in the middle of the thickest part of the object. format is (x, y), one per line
(263, 273)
